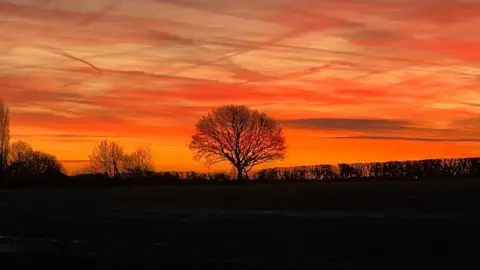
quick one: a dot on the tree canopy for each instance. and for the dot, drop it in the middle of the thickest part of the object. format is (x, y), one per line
(110, 159)
(239, 135)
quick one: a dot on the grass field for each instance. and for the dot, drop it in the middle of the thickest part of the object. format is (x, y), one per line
(388, 225)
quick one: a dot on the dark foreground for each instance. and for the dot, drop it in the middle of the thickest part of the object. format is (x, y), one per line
(296, 226)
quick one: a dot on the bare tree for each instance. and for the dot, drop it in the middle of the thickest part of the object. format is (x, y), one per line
(108, 158)
(239, 135)
(140, 162)
(4, 139)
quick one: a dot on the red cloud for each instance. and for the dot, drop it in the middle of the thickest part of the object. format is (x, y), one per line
(114, 72)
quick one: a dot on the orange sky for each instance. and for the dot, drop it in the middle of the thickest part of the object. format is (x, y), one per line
(350, 80)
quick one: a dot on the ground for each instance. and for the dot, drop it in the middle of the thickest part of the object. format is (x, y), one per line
(394, 225)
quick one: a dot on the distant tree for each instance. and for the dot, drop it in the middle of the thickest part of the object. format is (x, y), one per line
(41, 163)
(140, 162)
(27, 164)
(239, 135)
(218, 176)
(268, 175)
(4, 139)
(108, 158)
(345, 171)
(19, 152)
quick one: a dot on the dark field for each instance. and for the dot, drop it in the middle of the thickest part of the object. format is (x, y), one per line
(389, 225)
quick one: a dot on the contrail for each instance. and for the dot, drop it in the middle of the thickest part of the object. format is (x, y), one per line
(67, 55)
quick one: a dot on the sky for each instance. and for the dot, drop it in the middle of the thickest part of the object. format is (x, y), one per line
(349, 80)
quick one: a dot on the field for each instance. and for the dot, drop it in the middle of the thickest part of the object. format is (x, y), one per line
(387, 225)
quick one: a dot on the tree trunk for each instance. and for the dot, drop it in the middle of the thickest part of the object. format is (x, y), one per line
(246, 174)
(239, 173)
(3, 168)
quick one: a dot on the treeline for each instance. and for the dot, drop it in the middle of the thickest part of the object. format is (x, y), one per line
(109, 165)
(453, 168)
(422, 170)
(235, 134)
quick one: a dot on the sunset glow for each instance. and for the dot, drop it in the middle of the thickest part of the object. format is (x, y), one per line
(349, 80)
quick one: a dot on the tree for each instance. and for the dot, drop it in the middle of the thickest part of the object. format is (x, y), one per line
(108, 158)
(27, 164)
(4, 139)
(239, 135)
(20, 152)
(39, 163)
(140, 162)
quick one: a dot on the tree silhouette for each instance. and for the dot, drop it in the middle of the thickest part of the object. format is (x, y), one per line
(140, 162)
(19, 152)
(108, 158)
(27, 164)
(239, 135)
(4, 139)
(39, 163)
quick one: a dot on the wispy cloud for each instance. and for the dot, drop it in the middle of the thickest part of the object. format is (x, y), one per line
(362, 125)
(385, 138)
